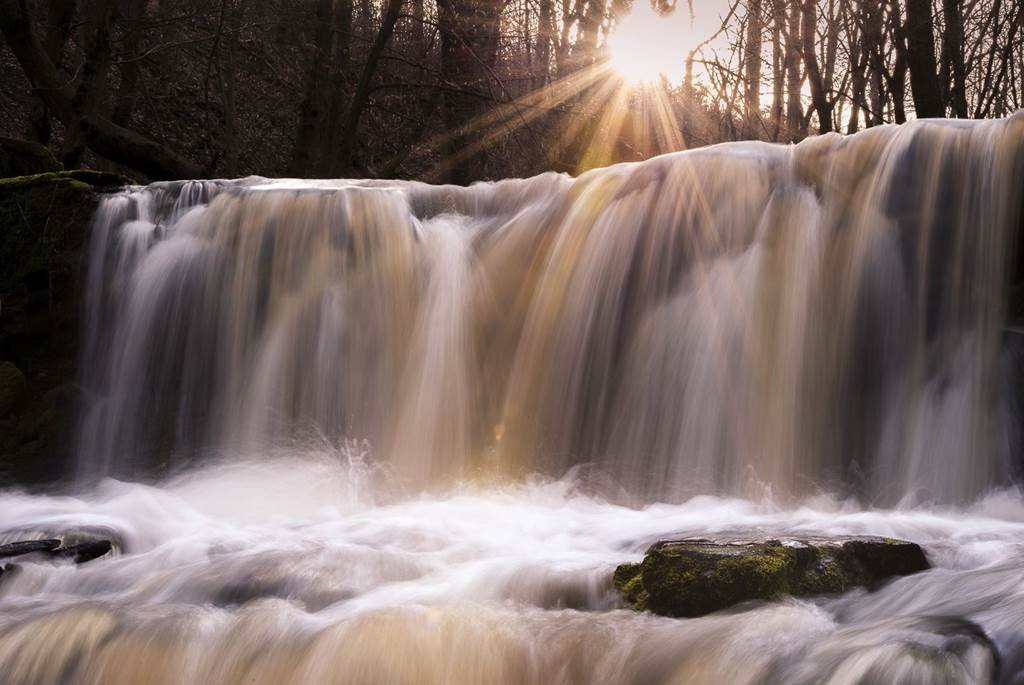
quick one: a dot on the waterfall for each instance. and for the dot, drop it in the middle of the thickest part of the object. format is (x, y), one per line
(365, 431)
(740, 319)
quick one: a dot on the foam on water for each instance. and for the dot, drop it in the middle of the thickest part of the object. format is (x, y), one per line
(294, 569)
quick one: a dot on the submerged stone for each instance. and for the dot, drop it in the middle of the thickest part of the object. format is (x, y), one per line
(14, 549)
(693, 577)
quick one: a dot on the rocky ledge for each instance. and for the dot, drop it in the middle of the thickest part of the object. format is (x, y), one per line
(693, 577)
(44, 225)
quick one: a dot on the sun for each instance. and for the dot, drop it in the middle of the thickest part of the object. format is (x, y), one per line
(646, 46)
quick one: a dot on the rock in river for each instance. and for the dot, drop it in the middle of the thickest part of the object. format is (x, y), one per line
(693, 577)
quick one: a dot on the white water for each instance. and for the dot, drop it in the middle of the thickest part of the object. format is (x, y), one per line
(716, 339)
(292, 570)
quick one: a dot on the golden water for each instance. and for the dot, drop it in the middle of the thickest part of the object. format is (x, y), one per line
(390, 432)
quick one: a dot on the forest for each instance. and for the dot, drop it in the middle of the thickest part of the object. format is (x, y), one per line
(464, 90)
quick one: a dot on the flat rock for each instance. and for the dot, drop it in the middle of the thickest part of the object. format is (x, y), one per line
(693, 577)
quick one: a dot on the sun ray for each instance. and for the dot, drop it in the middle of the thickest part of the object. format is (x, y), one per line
(515, 114)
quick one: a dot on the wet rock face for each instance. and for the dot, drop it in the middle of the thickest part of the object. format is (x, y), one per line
(693, 577)
(44, 222)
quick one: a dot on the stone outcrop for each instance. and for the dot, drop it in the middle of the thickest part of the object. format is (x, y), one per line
(693, 577)
(44, 227)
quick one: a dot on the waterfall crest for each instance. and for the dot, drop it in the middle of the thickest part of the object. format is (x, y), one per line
(828, 315)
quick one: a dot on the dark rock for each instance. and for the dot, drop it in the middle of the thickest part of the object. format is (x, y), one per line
(100, 180)
(43, 218)
(47, 426)
(693, 577)
(12, 387)
(44, 228)
(20, 157)
(84, 551)
(79, 552)
(14, 549)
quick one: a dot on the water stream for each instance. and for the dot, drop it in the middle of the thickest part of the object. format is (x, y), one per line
(364, 431)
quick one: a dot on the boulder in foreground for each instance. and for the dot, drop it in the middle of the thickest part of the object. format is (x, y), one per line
(693, 577)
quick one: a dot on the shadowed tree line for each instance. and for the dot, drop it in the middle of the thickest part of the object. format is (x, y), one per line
(458, 90)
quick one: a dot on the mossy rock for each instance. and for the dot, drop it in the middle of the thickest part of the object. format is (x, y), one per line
(694, 577)
(12, 387)
(44, 219)
(20, 157)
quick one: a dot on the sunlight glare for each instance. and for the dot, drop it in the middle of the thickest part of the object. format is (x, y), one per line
(646, 45)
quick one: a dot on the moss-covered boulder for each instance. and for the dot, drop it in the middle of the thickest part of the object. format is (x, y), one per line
(693, 577)
(21, 157)
(43, 219)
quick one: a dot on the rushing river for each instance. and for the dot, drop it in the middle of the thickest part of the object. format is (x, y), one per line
(296, 571)
(375, 432)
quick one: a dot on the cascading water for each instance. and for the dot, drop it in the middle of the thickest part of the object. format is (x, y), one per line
(702, 322)
(371, 405)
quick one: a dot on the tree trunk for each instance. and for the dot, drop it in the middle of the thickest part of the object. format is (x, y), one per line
(314, 109)
(778, 66)
(338, 91)
(858, 51)
(876, 65)
(924, 79)
(953, 57)
(346, 150)
(469, 36)
(59, 18)
(227, 77)
(103, 136)
(584, 50)
(95, 39)
(545, 31)
(752, 69)
(131, 74)
(794, 78)
(897, 80)
(819, 96)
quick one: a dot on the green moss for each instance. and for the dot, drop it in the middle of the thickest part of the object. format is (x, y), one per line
(827, 575)
(628, 580)
(695, 577)
(624, 573)
(43, 222)
(18, 157)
